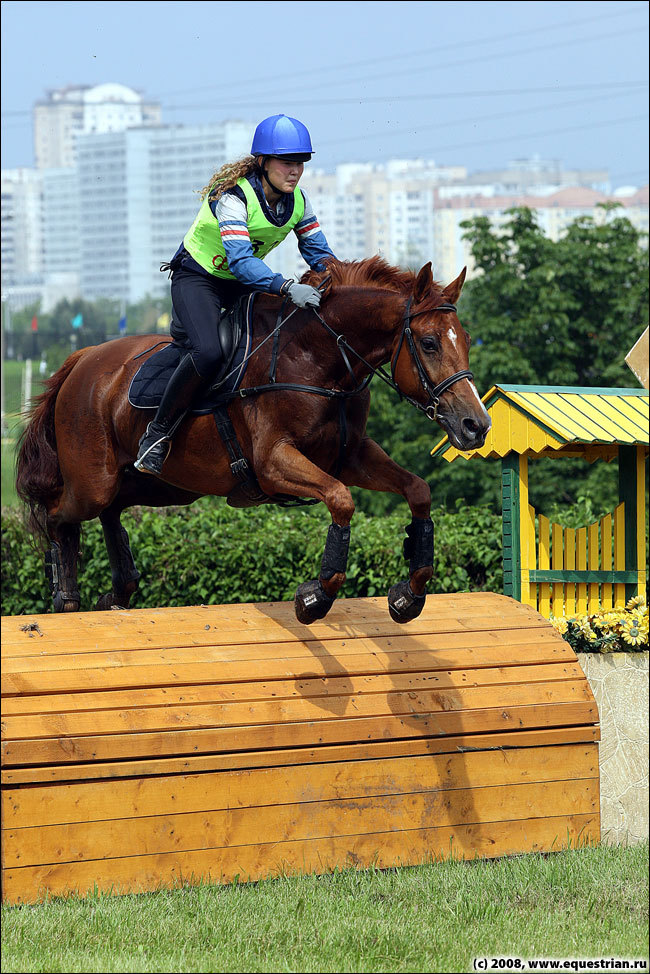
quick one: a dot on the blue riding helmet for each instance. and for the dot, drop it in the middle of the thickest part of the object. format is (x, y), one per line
(280, 135)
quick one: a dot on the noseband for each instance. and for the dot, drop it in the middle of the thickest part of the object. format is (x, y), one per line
(434, 392)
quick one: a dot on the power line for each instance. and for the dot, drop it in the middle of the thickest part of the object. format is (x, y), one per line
(411, 70)
(430, 96)
(384, 59)
(15, 116)
(537, 133)
(473, 119)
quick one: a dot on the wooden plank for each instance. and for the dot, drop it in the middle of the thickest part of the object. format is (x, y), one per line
(639, 520)
(385, 727)
(619, 553)
(142, 873)
(258, 712)
(570, 564)
(581, 564)
(594, 563)
(543, 560)
(114, 674)
(606, 559)
(222, 829)
(303, 687)
(44, 805)
(120, 637)
(263, 622)
(447, 646)
(558, 562)
(359, 751)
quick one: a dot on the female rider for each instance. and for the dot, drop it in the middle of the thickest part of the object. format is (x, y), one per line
(248, 208)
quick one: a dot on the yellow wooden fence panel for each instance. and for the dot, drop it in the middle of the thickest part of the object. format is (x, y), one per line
(619, 553)
(606, 559)
(594, 565)
(558, 559)
(581, 565)
(543, 561)
(570, 564)
(530, 549)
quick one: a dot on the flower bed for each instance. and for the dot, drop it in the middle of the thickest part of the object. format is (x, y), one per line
(608, 631)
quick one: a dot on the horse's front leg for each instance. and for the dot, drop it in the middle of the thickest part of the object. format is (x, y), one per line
(373, 469)
(288, 471)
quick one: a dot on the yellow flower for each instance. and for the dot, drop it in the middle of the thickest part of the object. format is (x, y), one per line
(635, 602)
(632, 635)
(560, 625)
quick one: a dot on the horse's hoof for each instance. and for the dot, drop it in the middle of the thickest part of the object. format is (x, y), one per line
(312, 602)
(105, 602)
(403, 605)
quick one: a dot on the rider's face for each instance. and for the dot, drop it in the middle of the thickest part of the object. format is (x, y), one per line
(283, 173)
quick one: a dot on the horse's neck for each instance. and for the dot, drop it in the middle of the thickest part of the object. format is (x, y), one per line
(368, 318)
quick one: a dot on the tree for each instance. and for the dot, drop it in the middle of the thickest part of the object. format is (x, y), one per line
(560, 312)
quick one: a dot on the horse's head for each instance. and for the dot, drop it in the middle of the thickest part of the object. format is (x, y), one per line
(430, 358)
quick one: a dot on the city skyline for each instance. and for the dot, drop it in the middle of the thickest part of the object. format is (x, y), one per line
(546, 79)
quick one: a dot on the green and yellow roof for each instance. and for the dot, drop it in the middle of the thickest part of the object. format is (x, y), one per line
(559, 421)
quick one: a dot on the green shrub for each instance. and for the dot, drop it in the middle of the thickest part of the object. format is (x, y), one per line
(210, 553)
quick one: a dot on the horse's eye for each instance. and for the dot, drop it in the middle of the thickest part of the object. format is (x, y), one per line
(429, 344)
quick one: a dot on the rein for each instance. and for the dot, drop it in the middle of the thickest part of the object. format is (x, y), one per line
(434, 392)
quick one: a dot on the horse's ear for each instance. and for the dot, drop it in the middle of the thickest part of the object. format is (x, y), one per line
(452, 291)
(423, 283)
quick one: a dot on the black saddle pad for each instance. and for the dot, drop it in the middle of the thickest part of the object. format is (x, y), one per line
(150, 381)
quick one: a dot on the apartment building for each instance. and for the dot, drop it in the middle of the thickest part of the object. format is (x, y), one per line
(22, 235)
(68, 112)
(451, 251)
(138, 194)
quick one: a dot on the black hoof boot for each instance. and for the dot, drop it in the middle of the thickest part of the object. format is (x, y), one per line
(403, 605)
(312, 602)
(62, 601)
(108, 601)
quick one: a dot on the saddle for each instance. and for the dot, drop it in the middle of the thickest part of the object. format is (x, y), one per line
(235, 333)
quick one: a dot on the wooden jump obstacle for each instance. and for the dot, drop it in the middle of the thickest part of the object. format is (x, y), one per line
(562, 571)
(153, 747)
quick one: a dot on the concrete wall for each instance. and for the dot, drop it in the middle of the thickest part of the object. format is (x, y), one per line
(619, 682)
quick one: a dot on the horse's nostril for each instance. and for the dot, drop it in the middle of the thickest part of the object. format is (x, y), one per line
(470, 427)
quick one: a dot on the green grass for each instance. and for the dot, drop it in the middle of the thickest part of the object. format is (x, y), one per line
(590, 902)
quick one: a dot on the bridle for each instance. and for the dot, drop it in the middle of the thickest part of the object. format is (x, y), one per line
(434, 392)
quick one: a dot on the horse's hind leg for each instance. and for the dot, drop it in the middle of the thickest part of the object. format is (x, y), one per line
(125, 575)
(61, 565)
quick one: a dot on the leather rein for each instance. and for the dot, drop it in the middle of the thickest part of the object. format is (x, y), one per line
(434, 392)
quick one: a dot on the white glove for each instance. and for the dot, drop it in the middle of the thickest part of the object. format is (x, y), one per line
(304, 295)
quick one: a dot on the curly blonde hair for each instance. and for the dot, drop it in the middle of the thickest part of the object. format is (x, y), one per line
(227, 177)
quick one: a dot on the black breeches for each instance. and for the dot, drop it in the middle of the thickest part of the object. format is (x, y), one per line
(196, 304)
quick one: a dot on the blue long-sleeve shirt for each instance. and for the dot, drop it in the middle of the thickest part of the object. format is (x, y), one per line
(231, 212)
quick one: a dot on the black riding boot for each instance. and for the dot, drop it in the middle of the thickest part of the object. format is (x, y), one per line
(182, 389)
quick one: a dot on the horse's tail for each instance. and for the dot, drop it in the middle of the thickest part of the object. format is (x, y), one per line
(38, 474)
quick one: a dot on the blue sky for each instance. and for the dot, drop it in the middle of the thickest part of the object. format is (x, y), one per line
(465, 83)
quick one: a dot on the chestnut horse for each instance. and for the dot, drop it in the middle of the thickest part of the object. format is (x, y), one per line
(75, 458)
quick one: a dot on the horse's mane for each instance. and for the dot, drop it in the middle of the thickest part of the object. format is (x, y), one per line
(371, 272)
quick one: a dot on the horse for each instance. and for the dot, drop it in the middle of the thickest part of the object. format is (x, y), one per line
(75, 457)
